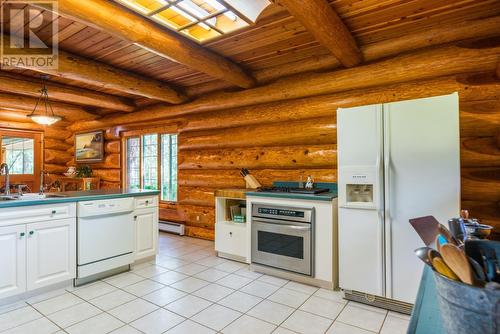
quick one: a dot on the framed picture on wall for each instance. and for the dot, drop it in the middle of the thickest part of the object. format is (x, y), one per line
(89, 147)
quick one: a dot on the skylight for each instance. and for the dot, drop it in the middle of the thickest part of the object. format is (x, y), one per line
(201, 20)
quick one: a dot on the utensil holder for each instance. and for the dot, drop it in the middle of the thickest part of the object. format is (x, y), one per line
(467, 309)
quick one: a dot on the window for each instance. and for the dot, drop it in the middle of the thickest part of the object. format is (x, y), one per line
(18, 153)
(201, 20)
(151, 163)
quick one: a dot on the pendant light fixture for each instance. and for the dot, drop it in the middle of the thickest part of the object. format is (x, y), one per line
(46, 116)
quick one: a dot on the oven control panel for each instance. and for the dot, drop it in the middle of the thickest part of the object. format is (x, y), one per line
(281, 212)
(289, 213)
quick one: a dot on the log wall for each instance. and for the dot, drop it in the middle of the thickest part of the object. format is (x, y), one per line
(286, 130)
(289, 140)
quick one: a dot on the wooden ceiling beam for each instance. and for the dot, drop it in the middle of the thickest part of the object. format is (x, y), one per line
(23, 85)
(70, 112)
(442, 34)
(118, 21)
(421, 65)
(99, 74)
(321, 20)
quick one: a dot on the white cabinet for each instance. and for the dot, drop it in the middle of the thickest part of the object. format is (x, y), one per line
(39, 250)
(230, 236)
(146, 227)
(230, 239)
(51, 252)
(12, 260)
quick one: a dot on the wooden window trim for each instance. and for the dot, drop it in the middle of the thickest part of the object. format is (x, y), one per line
(159, 131)
(38, 156)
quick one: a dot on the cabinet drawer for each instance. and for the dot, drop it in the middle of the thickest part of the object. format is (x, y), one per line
(231, 238)
(36, 213)
(142, 202)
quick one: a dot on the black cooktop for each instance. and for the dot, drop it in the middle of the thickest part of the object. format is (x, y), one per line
(313, 191)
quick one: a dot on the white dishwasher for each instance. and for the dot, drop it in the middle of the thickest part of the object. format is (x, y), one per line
(105, 237)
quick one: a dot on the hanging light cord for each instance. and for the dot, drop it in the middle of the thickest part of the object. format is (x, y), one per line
(45, 96)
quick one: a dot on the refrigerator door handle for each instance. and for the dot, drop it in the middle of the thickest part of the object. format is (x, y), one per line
(387, 203)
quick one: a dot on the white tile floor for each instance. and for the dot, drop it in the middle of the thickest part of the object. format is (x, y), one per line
(188, 290)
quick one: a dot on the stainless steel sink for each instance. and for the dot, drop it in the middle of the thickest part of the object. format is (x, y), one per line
(54, 195)
(8, 198)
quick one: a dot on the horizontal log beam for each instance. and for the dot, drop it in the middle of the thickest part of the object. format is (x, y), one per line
(480, 152)
(314, 131)
(18, 84)
(481, 184)
(321, 20)
(422, 65)
(283, 157)
(56, 157)
(70, 112)
(56, 144)
(54, 169)
(479, 118)
(226, 179)
(49, 131)
(102, 75)
(113, 19)
(441, 34)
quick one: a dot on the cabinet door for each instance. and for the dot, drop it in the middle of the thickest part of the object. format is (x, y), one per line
(146, 232)
(51, 252)
(230, 238)
(12, 260)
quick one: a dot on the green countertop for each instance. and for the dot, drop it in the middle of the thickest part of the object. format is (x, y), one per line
(329, 196)
(78, 196)
(320, 197)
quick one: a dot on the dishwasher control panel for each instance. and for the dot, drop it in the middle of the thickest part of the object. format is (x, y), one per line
(105, 207)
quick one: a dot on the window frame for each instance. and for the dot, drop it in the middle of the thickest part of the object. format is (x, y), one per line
(38, 154)
(139, 135)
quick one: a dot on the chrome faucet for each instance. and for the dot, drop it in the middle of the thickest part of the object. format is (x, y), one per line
(4, 168)
(42, 187)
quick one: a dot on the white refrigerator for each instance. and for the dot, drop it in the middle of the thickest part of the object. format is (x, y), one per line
(396, 161)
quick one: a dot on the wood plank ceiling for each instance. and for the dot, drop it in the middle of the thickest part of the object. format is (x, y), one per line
(275, 40)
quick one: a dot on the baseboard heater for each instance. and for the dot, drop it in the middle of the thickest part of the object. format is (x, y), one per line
(381, 302)
(171, 227)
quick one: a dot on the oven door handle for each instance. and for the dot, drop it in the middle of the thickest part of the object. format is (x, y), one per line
(302, 228)
(279, 222)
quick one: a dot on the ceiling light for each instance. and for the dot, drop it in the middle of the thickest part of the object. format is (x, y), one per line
(44, 118)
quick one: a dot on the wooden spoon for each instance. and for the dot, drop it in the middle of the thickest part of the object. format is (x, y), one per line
(456, 259)
(448, 236)
(443, 269)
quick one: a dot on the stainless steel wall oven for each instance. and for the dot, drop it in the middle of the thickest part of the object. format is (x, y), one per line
(283, 237)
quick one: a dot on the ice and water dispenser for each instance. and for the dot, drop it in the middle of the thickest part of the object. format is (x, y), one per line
(359, 187)
(359, 193)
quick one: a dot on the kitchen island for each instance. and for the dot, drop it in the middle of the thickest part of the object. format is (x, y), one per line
(47, 241)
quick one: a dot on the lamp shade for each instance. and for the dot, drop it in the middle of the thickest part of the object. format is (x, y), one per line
(45, 119)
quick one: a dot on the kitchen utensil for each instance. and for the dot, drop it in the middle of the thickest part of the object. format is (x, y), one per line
(448, 236)
(440, 241)
(423, 254)
(477, 270)
(432, 253)
(456, 259)
(457, 228)
(443, 269)
(485, 253)
(427, 228)
(480, 231)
